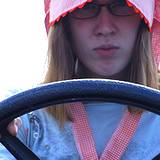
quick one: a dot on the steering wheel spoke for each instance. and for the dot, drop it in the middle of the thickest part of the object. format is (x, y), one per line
(16, 147)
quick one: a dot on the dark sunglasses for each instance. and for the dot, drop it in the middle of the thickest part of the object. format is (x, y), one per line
(91, 10)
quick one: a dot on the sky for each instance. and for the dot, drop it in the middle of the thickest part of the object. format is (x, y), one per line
(23, 44)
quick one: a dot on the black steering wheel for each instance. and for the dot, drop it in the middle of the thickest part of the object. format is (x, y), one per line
(70, 91)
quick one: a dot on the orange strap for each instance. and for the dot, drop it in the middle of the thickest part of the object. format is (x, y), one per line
(118, 142)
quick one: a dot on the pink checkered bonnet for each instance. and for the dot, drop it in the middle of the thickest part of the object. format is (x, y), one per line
(149, 11)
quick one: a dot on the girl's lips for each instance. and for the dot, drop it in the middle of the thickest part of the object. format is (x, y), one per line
(106, 51)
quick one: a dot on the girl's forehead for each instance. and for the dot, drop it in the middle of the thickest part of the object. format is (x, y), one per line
(103, 1)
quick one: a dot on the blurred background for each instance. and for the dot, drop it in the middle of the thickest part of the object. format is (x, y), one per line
(23, 44)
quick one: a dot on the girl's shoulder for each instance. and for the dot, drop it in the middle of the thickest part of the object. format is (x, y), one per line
(146, 141)
(41, 132)
(40, 124)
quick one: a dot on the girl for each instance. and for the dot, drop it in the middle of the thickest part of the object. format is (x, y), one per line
(97, 39)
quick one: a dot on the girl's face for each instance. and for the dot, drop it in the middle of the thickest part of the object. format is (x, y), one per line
(104, 43)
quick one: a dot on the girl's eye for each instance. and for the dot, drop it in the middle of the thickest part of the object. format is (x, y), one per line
(122, 3)
(90, 6)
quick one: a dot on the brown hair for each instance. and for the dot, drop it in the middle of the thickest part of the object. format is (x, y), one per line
(61, 63)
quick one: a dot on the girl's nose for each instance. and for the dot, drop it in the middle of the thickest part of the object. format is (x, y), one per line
(105, 23)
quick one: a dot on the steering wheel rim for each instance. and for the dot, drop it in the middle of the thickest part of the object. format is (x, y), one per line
(71, 91)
